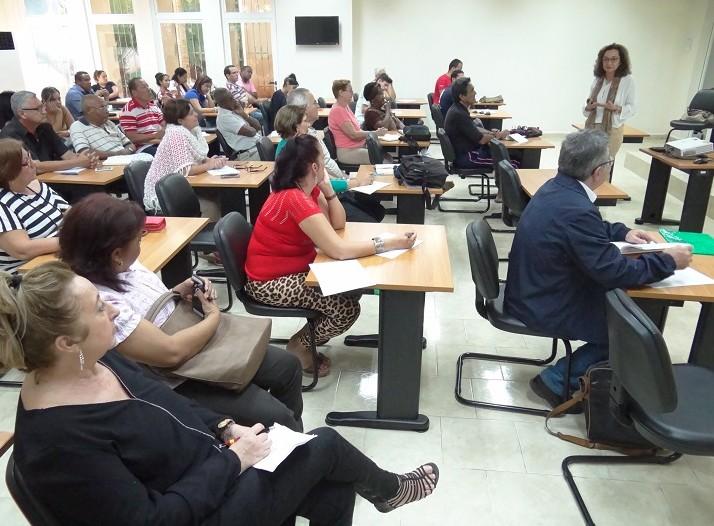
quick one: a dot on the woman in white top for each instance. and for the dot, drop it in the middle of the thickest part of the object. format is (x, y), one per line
(612, 95)
(183, 149)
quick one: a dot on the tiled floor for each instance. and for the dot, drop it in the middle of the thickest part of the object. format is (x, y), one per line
(496, 468)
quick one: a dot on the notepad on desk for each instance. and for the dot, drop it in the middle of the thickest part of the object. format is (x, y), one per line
(391, 137)
(683, 278)
(226, 170)
(629, 249)
(124, 160)
(384, 169)
(71, 171)
(520, 139)
(369, 189)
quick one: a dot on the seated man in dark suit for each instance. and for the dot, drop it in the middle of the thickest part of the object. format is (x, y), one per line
(562, 262)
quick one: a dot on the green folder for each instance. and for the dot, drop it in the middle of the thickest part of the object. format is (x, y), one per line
(701, 243)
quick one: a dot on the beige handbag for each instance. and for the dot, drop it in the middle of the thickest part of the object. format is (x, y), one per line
(231, 357)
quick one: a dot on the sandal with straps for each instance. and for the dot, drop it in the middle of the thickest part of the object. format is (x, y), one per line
(413, 486)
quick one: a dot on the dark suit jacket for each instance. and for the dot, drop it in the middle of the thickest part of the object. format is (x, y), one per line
(562, 263)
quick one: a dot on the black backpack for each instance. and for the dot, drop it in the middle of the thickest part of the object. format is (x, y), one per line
(421, 171)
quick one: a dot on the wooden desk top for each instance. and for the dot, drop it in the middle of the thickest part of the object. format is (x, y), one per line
(157, 248)
(680, 164)
(534, 143)
(400, 113)
(702, 293)
(246, 178)
(493, 114)
(275, 139)
(426, 268)
(85, 177)
(210, 137)
(533, 179)
(629, 131)
(407, 102)
(394, 187)
(6, 439)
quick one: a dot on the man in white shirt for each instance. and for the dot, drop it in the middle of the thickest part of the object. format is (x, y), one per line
(240, 130)
(94, 131)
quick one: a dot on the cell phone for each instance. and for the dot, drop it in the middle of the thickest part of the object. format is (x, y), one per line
(103, 169)
(198, 284)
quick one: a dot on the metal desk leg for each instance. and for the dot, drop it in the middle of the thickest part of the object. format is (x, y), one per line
(256, 200)
(655, 195)
(401, 317)
(178, 269)
(696, 201)
(233, 200)
(531, 158)
(702, 352)
(495, 124)
(656, 310)
(410, 209)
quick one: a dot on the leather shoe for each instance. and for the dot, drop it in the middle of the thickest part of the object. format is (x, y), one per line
(538, 387)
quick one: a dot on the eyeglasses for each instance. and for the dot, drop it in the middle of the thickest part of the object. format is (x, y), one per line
(38, 108)
(606, 163)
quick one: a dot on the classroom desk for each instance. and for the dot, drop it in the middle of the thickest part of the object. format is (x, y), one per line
(532, 179)
(630, 134)
(531, 150)
(166, 251)
(85, 182)
(401, 103)
(275, 139)
(656, 303)
(494, 119)
(6, 440)
(233, 188)
(410, 199)
(403, 114)
(402, 283)
(696, 198)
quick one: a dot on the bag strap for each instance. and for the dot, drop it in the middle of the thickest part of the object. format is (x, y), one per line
(159, 304)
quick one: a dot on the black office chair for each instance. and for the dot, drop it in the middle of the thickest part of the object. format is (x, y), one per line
(436, 115)
(227, 150)
(329, 140)
(264, 108)
(321, 102)
(483, 259)
(499, 153)
(484, 192)
(177, 199)
(34, 511)
(430, 98)
(375, 150)
(670, 406)
(134, 177)
(702, 100)
(231, 236)
(266, 149)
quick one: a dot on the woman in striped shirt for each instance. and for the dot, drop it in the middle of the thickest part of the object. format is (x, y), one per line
(30, 211)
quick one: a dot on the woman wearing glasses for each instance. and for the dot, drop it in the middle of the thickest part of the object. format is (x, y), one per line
(30, 211)
(612, 95)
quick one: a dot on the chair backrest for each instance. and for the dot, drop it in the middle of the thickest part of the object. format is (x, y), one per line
(436, 115)
(264, 108)
(447, 149)
(232, 235)
(227, 150)
(176, 197)
(35, 512)
(483, 259)
(514, 198)
(321, 102)
(134, 176)
(329, 140)
(375, 150)
(353, 105)
(355, 97)
(430, 98)
(498, 150)
(703, 100)
(266, 149)
(638, 355)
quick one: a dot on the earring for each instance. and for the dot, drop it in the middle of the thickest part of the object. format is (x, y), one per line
(120, 262)
(81, 360)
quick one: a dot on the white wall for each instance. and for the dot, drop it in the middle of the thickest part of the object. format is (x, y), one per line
(538, 55)
(315, 66)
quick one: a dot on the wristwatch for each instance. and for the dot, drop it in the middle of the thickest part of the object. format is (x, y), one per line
(223, 426)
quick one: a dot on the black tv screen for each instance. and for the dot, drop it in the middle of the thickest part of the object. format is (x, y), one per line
(317, 30)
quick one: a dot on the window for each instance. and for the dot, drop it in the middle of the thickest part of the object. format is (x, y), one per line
(118, 50)
(178, 6)
(183, 46)
(251, 45)
(248, 6)
(112, 7)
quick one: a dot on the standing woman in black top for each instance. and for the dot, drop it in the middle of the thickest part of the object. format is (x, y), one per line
(97, 442)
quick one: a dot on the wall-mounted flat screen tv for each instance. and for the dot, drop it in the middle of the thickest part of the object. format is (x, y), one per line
(317, 30)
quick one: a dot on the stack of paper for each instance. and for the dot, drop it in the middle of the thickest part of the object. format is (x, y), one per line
(71, 171)
(391, 137)
(369, 189)
(642, 248)
(341, 276)
(282, 442)
(520, 139)
(124, 160)
(384, 169)
(226, 170)
(684, 278)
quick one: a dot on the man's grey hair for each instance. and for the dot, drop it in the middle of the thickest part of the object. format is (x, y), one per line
(18, 101)
(299, 97)
(581, 152)
(87, 99)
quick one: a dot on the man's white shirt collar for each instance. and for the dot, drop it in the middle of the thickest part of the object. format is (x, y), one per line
(591, 195)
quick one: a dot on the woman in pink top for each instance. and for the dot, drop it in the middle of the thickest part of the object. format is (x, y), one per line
(349, 139)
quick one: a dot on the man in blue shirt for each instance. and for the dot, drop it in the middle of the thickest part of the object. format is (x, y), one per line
(447, 98)
(73, 99)
(562, 261)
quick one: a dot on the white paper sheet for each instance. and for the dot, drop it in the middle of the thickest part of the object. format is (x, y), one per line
(71, 171)
(391, 137)
(226, 170)
(392, 254)
(384, 169)
(341, 276)
(684, 278)
(518, 138)
(639, 248)
(370, 188)
(123, 160)
(282, 442)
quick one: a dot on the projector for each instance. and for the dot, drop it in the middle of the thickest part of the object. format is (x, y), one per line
(688, 148)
